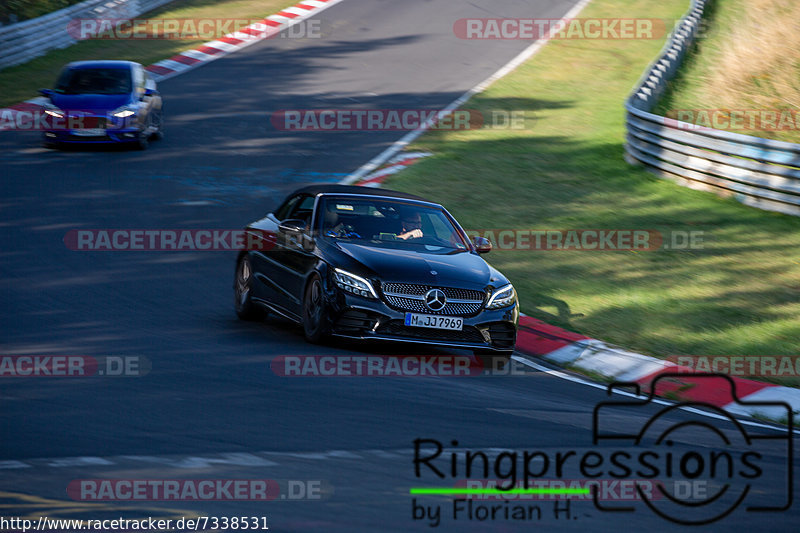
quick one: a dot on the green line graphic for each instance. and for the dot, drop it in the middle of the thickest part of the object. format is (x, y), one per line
(450, 490)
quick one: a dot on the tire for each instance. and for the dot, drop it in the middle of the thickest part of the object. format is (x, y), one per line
(159, 134)
(142, 141)
(143, 138)
(315, 320)
(47, 143)
(242, 292)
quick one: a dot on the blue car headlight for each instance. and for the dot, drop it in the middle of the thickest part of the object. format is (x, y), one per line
(353, 284)
(55, 112)
(502, 297)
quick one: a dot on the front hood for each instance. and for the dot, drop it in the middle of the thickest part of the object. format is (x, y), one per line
(90, 102)
(460, 269)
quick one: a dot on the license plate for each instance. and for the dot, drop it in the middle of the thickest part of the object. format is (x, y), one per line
(436, 322)
(89, 132)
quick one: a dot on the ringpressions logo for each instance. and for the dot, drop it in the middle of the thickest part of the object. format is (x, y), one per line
(674, 460)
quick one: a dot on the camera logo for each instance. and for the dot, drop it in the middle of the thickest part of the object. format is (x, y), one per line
(678, 447)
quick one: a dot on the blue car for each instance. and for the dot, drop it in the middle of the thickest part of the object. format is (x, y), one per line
(103, 102)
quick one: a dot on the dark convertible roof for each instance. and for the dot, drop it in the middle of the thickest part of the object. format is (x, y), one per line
(355, 189)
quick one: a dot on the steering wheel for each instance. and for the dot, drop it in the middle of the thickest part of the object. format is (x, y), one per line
(348, 231)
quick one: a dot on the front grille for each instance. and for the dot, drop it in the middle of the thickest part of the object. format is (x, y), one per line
(409, 297)
(396, 328)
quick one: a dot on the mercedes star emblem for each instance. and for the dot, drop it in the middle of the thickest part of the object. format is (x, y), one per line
(435, 299)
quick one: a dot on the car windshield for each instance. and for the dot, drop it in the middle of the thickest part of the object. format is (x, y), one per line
(389, 224)
(94, 81)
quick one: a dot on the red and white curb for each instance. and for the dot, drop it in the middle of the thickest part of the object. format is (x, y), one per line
(393, 166)
(232, 42)
(567, 349)
(213, 50)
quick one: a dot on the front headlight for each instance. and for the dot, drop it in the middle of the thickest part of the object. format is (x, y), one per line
(124, 112)
(53, 111)
(353, 284)
(502, 297)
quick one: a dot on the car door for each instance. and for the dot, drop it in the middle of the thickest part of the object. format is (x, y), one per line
(266, 258)
(298, 254)
(277, 267)
(259, 240)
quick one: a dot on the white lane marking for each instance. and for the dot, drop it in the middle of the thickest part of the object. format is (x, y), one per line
(409, 155)
(658, 401)
(339, 454)
(238, 459)
(79, 461)
(343, 454)
(13, 464)
(383, 454)
(408, 138)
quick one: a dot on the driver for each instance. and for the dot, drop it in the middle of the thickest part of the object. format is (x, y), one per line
(411, 222)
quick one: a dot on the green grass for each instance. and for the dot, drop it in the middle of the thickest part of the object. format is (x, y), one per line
(741, 63)
(740, 295)
(21, 82)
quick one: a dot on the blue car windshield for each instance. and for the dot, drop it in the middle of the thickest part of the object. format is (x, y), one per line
(94, 81)
(389, 224)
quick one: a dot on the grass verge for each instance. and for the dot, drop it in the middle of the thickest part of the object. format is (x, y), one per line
(21, 82)
(738, 295)
(746, 60)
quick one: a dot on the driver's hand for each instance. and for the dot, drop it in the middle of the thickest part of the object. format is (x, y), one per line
(413, 234)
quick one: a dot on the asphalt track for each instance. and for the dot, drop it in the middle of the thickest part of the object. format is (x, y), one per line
(211, 407)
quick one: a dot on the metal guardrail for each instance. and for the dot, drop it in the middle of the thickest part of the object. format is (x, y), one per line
(27, 40)
(758, 172)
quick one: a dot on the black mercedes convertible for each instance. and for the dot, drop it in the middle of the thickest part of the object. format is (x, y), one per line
(365, 263)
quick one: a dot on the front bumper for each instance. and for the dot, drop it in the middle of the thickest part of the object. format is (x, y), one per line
(107, 136)
(95, 128)
(360, 318)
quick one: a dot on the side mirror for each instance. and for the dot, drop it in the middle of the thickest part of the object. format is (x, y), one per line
(47, 93)
(482, 245)
(292, 225)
